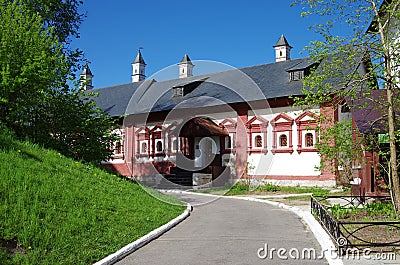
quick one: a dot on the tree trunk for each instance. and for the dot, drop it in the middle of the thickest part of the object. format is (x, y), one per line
(389, 77)
(395, 184)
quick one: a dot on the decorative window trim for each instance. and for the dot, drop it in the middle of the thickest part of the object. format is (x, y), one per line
(308, 126)
(174, 145)
(283, 140)
(309, 139)
(172, 149)
(142, 135)
(118, 146)
(157, 135)
(258, 141)
(229, 125)
(144, 144)
(282, 126)
(159, 146)
(257, 129)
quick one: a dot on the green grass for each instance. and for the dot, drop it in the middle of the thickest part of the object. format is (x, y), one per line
(60, 211)
(241, 188)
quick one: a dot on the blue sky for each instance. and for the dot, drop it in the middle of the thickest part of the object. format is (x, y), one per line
(237, 33)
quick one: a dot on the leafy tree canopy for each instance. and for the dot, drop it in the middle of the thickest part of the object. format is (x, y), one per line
(359, 52)
(35, 100)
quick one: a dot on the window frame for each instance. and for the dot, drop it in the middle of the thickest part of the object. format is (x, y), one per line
(304, 127)
(282, 124)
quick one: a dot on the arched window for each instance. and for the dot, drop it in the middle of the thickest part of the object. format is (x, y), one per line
(174, 146)
(283, 140)
(159, 147)
(228, 142)
(309, 140)
(143, 148)
(258, 141)
(118, 148)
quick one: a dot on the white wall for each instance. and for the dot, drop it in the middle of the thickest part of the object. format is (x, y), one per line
(284, 164)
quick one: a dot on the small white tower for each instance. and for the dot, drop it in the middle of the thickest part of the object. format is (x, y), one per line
(185, 67)
(282, 50)
(138, 68)
(86, 78)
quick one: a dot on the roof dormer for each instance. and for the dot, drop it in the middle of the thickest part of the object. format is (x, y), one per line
(185, 88)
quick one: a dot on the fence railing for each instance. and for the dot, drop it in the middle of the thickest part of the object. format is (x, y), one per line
(355, 234)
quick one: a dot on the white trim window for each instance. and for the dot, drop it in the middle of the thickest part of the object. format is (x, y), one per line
(258, 141)
(174, 144)
(159, 146)
(144, 147)
(309, 139)
(283, 141)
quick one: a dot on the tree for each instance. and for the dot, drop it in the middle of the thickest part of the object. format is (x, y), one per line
(35, 100)
(70, 123)
(31, 63)
(359, 52)
(65, 18)
(338, 145)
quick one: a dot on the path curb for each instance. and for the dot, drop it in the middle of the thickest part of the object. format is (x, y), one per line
(128, 249)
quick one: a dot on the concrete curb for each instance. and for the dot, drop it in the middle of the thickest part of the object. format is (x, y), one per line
(128, 249)
(320, 234)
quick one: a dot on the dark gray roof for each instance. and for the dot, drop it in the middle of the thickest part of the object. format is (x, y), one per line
(248, 84)
(114, 100)
(186, 59)
(139, 58)
(304, 64)
(282, 42)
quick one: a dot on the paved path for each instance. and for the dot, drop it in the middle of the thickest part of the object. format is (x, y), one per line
(227, 231)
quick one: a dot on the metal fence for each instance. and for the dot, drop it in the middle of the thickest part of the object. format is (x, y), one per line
(354, 235)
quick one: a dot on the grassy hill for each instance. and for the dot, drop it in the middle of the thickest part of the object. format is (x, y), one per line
(54, 210)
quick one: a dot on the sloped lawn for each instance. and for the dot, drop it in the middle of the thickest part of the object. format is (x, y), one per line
(54, 210)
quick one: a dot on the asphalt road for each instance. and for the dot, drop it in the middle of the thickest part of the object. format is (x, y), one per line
(229, 231)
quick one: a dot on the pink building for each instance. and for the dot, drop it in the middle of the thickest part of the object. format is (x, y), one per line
(218, 126)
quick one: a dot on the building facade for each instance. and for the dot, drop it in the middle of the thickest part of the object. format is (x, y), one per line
(228, 125)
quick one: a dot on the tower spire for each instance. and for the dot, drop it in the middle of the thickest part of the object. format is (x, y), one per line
(185, 67)
(282, 49)
(138, 67)
(86, 77)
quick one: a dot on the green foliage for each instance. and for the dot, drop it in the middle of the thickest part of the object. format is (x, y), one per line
(63, 16)
(357, 54)
(269, 187)
(320, 192)
(339, 212)
(35, 101)
(61, 211)
(338, 143)
(239, 188)
(31, 61)
(70, 123)
(376, 211)
(384, 210)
